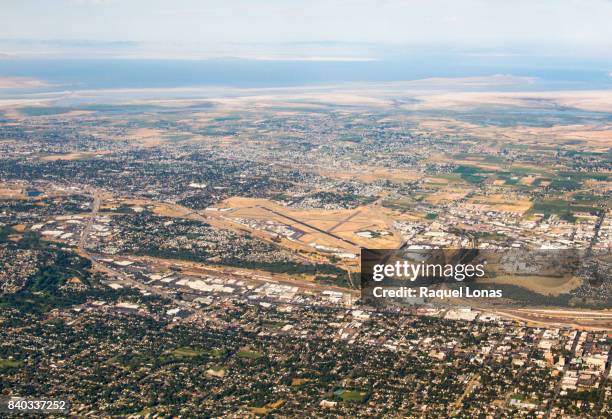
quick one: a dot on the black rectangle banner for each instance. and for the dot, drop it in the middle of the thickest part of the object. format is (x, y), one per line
(559, 277)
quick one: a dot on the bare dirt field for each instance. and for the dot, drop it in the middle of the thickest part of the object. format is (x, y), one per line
(147, 137)
(446, 195)
(595, 137)
(11, 192)
(499, 202)
(544, 285)
(73, 156)
(597, 100)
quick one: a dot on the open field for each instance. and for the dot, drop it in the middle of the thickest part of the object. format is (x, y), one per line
(594, 137)
(445, 195)
(146, 137)
(600, 101)
(11, 193)
(10, 363)
(186, 352)
(545, 285)
(73, 156)
(499, 202)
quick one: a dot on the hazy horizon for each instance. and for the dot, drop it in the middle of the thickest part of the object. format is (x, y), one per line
(338, 30)
(97, 44)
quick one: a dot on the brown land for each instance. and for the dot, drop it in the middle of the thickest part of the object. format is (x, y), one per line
(73, 156)
(545, 285)
(499, 202)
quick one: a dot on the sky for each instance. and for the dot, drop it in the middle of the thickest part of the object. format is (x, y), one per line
(351, 29)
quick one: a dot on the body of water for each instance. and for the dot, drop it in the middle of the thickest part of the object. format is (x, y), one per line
(133, 73)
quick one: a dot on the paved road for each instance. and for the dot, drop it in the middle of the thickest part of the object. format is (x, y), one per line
(356, 213)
